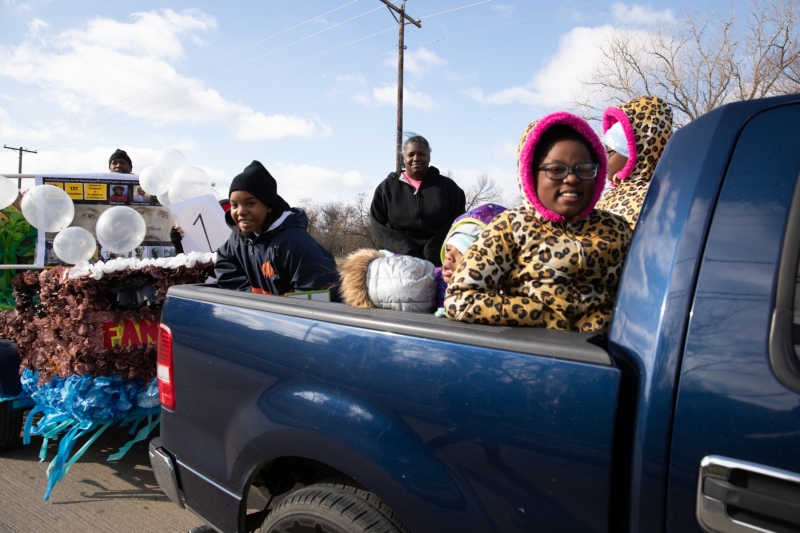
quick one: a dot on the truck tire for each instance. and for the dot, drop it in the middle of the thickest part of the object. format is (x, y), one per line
(332, 507)
(10, 426)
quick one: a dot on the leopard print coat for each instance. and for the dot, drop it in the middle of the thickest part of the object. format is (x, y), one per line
(647, 123)
(529, 268)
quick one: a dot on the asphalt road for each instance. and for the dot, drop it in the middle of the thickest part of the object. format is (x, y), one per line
(95, 495)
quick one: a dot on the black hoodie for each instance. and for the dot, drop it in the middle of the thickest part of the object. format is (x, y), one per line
(415, 222)
(278, 261)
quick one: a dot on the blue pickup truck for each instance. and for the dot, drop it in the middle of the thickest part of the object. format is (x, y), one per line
(685, 417)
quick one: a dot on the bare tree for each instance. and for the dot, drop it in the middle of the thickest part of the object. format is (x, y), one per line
(700, 61)
(340, 228)
(484, 191)
(362, 224)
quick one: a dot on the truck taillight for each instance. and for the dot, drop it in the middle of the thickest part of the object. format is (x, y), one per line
(166, 381)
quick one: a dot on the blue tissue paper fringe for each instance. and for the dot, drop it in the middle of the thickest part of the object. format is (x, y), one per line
(81, 405)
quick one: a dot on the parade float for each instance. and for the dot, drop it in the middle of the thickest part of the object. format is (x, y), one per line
(85, 331)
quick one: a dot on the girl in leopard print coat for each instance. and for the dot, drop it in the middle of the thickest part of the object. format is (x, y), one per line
(554, 261)
(646, 126)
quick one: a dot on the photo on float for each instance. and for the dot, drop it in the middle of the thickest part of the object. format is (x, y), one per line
(93, 194)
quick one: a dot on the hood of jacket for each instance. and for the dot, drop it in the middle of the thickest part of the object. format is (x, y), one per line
(527, 147)
(647, 123)
(368, 278)
(480, 216)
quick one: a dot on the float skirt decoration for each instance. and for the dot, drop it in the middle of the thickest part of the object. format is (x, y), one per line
(87, 339)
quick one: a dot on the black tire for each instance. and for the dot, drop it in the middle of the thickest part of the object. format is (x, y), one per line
(332, 507)
(10, 426)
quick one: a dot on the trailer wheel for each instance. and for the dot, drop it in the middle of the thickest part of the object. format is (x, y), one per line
(332, 507)
(10, 426)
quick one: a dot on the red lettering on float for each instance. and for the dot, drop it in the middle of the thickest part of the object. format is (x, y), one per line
(148, 332)
(110, 332)
(145, 332)
(130, 335)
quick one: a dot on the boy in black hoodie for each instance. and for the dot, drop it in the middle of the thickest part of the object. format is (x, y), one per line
(270, 252)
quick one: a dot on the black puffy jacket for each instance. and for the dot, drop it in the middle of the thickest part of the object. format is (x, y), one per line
(415, 222)
(282, 260)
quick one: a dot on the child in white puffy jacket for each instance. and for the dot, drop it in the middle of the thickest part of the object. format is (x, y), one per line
(369, 278)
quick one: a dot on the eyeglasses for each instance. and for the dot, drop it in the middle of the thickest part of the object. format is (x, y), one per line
(559, 171)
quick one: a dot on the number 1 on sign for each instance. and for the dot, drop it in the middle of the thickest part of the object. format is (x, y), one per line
(200, 218)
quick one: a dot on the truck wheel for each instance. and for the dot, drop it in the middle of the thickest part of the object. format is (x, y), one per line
(332, 507)
(10, 426)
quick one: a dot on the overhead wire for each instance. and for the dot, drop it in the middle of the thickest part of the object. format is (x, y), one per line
(210, 77)
(332, 50)
(511, 22)
(224, 88)
(193, 70)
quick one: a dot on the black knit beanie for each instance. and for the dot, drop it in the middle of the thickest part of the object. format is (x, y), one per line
(120, 154)
(257, 180)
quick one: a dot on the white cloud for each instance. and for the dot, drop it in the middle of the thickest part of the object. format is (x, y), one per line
(418, 61)
(296, 182)
(260, 127)
(506, 96)
(504, 10)
(637, 14)
(23, 7)
(95, 159)
(558, 83)
(36, 26)
(106, 61)
(387, 95)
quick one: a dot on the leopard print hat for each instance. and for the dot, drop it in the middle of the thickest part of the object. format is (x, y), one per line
(527, 147)
(647, 123)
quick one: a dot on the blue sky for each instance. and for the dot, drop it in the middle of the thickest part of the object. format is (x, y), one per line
(315, 104)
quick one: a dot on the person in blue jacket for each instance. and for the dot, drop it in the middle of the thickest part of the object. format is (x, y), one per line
(270, 251)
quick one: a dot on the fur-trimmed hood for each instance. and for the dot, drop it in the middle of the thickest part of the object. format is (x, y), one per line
(353, 277)
(527, 147)
(647, 124)
(369, 278)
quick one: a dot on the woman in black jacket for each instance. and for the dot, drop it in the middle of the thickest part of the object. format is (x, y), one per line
(412, 211)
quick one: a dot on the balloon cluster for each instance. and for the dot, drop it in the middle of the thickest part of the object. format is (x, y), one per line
(48, 208)
(119, 229)
(172, 180)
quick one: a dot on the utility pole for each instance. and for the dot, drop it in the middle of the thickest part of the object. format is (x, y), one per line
(401, 21)
(20, 150)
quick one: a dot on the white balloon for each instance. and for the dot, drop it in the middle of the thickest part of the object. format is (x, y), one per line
(120, 229)
(163, 198)
(48, 208)
(169, 159)
(173, 198)
(155, 180)
(74, 245)
(8, 192)
(216, 194)
(190, 182)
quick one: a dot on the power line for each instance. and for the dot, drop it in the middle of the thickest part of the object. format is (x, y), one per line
(456, 9)
(190, 71)
(222, 89)
(212, 77)
(20, 150)
(511, 22)
(401, 48)
(329, 51)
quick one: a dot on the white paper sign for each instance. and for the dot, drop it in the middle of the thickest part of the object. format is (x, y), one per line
(203, 223)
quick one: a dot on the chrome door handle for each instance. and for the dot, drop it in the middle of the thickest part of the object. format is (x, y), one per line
(741, 497)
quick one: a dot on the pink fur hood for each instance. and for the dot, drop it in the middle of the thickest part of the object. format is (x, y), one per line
(527, 146)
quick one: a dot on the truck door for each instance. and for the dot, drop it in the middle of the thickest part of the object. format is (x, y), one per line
(735, 452)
